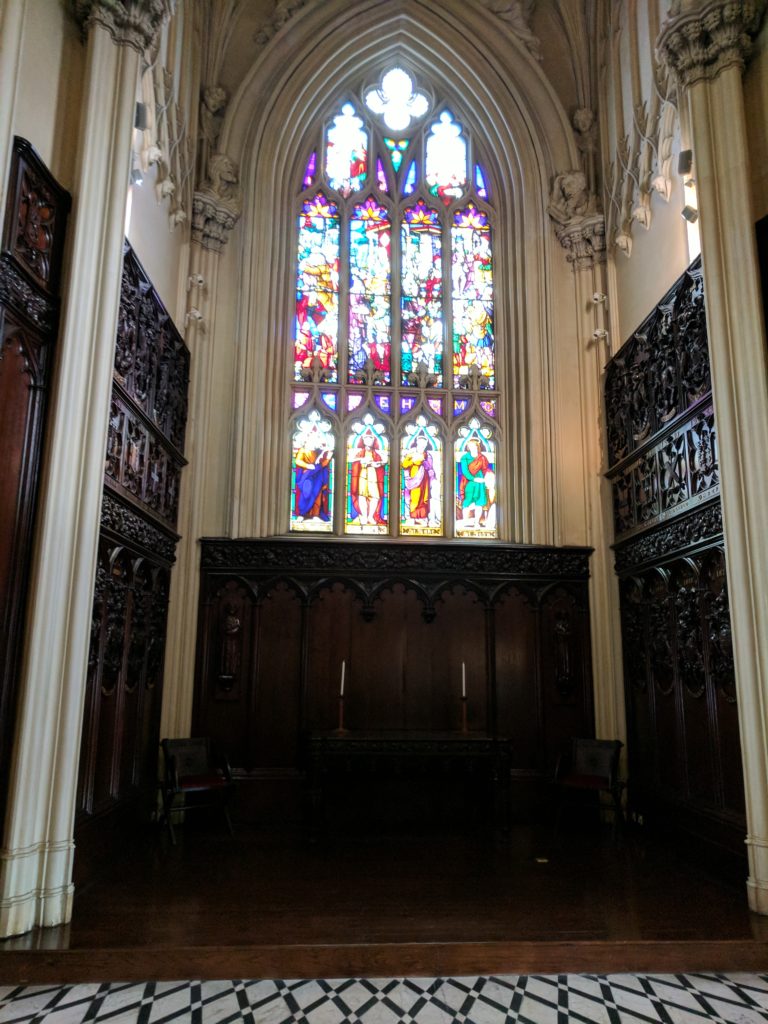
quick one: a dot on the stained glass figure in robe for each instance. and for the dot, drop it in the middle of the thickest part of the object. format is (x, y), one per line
(366, 508)
(312, 475)
(421, 292)
(317, 288)
(346, 154)
(472, 280)
(475, 481)
(369, 291)
(446, 159)
(421, 484)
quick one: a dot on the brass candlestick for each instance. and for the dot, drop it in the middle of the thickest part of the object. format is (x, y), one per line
(464, 713)
(341, 714)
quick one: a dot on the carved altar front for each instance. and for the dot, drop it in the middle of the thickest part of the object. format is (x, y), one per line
(406, 623)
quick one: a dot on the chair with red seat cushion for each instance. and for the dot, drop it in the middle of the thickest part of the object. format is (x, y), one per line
(192, 767)
(591, 765)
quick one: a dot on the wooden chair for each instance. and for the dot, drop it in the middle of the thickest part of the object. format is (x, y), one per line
(591, 765)
(192, 768)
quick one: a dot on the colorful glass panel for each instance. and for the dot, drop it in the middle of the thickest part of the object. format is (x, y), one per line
(331, 399)
(317, 288)
(436, 405)
(446, 159)
(346, 153)
(460, 405)
(396, 101)
(410, 180)
(309, 173)
(480, 187)
(354, 402)
(489, 407)
(472, 280)
(369, 292)
(384, 402)
(312, 473)
(407, 402)
(381, 177)
(421, 292)
(475, 481)
(397, 148)
(421, 480)
(300, 398)
(366, 507)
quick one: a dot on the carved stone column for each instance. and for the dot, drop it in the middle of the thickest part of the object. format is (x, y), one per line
(216, 210)
(36, 861)
(706, 45)
(580, 229)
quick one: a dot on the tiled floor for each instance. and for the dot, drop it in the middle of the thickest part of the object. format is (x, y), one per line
(532, 999)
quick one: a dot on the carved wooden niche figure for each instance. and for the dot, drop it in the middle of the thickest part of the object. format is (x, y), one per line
(230, 645)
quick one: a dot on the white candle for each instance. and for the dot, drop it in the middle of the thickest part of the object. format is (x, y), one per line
(343, 670)
(463, 680)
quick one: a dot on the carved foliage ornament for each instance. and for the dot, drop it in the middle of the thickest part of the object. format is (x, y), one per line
(698, 42)
(130, 22)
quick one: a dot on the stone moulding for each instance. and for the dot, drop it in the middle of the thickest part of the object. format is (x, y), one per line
(132, 23)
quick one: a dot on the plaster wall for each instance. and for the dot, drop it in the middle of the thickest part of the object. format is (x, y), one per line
(49, 87)
(161, 249)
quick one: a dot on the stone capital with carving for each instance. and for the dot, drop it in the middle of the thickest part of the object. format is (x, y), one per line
(579, 224)
(130, 22)
(701, 38)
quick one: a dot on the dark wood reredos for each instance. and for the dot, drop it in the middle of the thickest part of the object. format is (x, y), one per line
(278, 617)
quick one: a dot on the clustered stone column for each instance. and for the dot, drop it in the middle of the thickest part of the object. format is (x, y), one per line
(580, 228)
(36, 861)
(216, 207)
(705, 44)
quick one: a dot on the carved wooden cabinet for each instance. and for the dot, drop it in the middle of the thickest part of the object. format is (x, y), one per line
(279, 617)
(683, 737)
(30, 271)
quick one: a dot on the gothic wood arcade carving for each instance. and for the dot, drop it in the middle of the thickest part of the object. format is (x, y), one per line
(408, 622)
(685, 761)
(142, 467)
(30, 271)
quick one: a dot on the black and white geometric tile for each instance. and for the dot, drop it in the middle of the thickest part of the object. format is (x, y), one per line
(527, 999)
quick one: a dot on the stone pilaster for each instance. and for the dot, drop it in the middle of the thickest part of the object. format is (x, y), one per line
(706, 45)
(36, 861)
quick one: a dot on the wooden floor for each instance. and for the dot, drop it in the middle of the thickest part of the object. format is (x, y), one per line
(260, 905)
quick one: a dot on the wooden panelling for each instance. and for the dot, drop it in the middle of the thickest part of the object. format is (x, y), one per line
(685, 761)
(30, 270)
(279, 618)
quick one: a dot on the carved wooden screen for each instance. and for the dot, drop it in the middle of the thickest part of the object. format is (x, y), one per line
(30, 270)
(279, 617)
(685, 763)
(138, 537)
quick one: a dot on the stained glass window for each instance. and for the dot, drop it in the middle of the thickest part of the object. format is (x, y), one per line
(446, 164)
(421, 488)
(317, 287)
(346, 153)
(421, 290)
(471, 278)
(475, 481)
(369, 291)
(312, 474)
(394, 373)
(366, 508)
